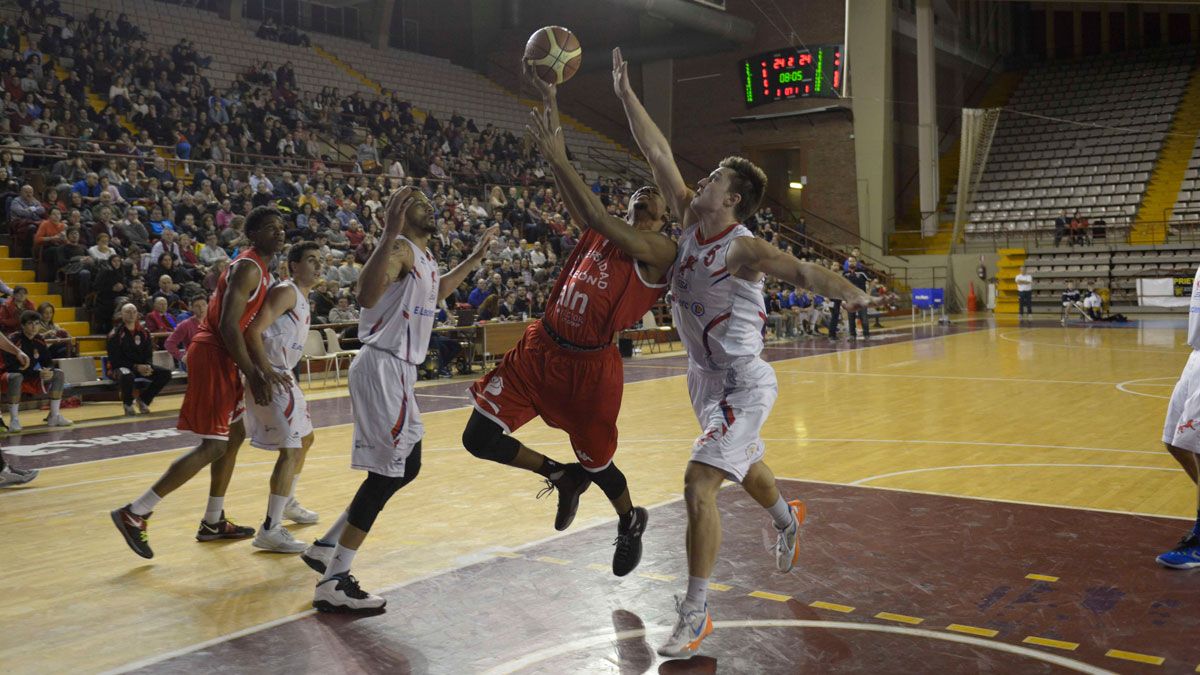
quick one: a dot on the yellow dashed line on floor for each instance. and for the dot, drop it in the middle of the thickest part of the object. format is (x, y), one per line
(902, 618)
(552, 561)
(598, 567)
(656, 577)
(831, 606)
(1047, 642)
(770, 596)
(1134, 656)
(1041, 577)
(719, 587)
(972, 630)
(506, 554)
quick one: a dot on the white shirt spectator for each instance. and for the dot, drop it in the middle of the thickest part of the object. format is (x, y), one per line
(255, 180)
(99, 255)
(209, 255)
(1024, 282)
(1092, 301)
(159, 249)
(537, 258)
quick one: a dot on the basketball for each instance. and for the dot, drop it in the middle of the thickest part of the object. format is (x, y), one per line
(554, 53)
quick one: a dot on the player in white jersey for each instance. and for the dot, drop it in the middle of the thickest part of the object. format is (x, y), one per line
(275, 339)
(718, 308)
(399, 289)
(1181, 434)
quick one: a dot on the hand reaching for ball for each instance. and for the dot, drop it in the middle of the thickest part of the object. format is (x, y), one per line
(621, 75)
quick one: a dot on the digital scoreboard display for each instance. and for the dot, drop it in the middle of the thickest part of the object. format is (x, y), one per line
(793, 73)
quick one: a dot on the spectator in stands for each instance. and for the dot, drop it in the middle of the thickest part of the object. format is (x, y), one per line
(859, 278)
(11, 310)
(158, 222)
(130, 358)
(480, 292)
(1081, 230)
(1024, 293)
(39, 377)
(1093, 305)
(1060, 227)
(132, 232)
(343, 312)
(112, 281)
(322, 301)
(160, 319)
(52, 331)
(181, 338)
(211, 252)
(26, 208)
(1072, 299)
(489, 309)
(88, 189)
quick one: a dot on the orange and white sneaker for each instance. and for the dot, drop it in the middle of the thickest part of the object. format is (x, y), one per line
(691, 628)
(787, 546)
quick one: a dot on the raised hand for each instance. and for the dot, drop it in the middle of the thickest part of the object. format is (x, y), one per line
(485, 241)
(549, 138)
(396, 210)
(621, 75)
(544, 88)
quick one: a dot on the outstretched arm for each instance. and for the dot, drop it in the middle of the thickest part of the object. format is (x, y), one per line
(650, 248)
(653, 144)
(751, 255)
(374, 278)
(454, 277)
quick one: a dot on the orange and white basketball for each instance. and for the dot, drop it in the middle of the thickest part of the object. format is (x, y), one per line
(554, 53)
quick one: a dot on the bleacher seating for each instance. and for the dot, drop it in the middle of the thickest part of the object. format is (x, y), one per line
(1116, 268)
(1187, 204)
(1120, 107)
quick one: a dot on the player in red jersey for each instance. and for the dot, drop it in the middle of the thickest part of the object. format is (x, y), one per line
(566, 369)
(212, 406)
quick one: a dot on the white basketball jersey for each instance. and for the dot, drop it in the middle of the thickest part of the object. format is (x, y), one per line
(720, 317)
(285, 337)
(1193, 333)
(401, 322)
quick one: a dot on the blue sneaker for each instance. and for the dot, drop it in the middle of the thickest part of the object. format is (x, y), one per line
(1185, 556)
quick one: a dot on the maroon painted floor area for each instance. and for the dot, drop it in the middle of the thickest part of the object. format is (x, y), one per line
(944, 560)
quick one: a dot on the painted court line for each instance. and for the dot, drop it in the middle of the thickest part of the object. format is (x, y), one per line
(1047, 642)
(910, 472)
(609, 637)
(1041, 577)
(1135, 656)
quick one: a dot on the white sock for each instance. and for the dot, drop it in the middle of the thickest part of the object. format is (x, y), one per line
(212, 513)
(14, 411)
(55, 405)
(292, 492)
(781, 513)
(275, 504)
(145, 504)
(342, 557)
(697, 593)
(335, 531)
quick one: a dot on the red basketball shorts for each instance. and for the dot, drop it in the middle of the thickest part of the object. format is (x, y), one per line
(578, 392)
(213, 400)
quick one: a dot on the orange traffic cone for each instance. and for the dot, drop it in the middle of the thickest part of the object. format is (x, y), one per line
(971, 301)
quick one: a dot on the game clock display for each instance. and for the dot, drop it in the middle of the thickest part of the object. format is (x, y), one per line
(793, 73)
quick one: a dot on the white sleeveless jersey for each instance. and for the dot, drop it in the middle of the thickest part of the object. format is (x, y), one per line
(285, 337)
(720, 317)
(402, 320)
(1193, 334)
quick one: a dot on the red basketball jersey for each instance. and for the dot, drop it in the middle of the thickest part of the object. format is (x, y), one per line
(600, 291)
(210, 328)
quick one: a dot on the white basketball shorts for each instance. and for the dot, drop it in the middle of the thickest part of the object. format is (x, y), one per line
(732, 406)
(387, 423)
(1182, 426)
(281, 424)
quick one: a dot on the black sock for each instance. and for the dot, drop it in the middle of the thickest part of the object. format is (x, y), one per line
(624, 520)
(266, 523)
(551, 469)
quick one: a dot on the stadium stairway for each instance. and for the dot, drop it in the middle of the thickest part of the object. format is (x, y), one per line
(1008, 267)
(907, 237)
(1150, 226)
(20, 272)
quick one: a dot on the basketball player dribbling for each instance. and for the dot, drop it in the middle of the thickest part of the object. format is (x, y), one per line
(565, 368)
(212, 405)
(399, 290)
(1181, 435)
(276, 340)
(717, 287)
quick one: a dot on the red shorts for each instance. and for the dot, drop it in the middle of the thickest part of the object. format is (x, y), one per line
(30, 386)
(578, 392)
(213, 400)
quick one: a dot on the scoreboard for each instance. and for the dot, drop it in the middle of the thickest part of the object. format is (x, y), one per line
(793, 73)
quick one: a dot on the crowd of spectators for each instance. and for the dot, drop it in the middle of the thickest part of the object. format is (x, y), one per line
(124, 226)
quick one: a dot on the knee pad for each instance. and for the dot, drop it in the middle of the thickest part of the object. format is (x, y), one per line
(611, 481)
(485, 439)
(377, 489)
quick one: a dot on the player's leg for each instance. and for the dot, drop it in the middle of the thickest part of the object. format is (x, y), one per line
(701, 483)
(787, 516)
(57, 382)
(215, 525)
(272, 536)
(1186, 555)
(293, 511)
(15, 380)
(338, 590)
